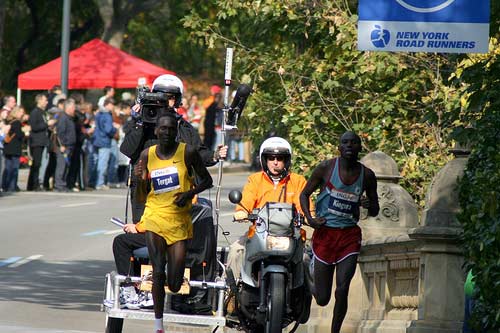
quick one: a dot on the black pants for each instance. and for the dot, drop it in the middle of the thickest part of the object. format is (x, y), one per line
(123, 248)
(50, 171)
(74, 167)
(36, 154)
(137, 207)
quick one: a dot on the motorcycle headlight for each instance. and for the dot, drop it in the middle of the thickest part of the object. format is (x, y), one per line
(278, 243)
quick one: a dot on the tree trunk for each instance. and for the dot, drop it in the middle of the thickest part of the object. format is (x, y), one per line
(3, 7)
(116, 14)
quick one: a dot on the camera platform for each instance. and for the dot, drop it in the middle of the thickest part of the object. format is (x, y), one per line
(111, 303)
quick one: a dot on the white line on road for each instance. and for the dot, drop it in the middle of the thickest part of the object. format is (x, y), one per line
(112, 232)
(9, 261)
(81, 195)
(79, 204)
(26, 260)
(93, 233)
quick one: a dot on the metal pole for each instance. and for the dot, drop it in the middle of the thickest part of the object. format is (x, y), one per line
(18, 96)
(65, 45)
(227, 83)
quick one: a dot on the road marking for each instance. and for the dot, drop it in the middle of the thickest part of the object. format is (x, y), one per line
(26, 260)
(79, 204)
(80, 195)
(112, 232)
(9, 261)
(93, 233)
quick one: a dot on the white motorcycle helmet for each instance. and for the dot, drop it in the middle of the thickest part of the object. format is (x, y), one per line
(170, 84)
(276, 146)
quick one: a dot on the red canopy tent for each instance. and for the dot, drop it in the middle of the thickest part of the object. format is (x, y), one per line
(93, 66)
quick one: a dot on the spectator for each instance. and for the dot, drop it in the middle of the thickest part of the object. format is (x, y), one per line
(194, 112)
(236, 143)
(9, 102)
(103, 134)
(127, 97)
(89, 158)
(50, 169)
(75, 181)
(181, 110)
(123, 160)
(66, 139)
(12, 149)
(109, 92)
(39, 140)
(212, 116)
(53, 93)
(113, 155)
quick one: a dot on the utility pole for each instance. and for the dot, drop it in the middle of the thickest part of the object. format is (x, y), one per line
(65, 45)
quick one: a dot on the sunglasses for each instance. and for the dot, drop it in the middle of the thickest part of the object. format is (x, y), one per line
(279, 158)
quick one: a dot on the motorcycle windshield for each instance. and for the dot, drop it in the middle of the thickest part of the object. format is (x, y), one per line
(279, 217)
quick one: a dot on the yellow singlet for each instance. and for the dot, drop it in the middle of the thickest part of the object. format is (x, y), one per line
(168, 177)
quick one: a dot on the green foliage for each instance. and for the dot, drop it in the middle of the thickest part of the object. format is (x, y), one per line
(158, 36)
(32, 35)
(311, 84)
(479, 189)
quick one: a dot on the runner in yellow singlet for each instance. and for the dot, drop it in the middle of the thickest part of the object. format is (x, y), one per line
(166, 185)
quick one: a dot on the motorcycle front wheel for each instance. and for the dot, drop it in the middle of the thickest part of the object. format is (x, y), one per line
(275, 302)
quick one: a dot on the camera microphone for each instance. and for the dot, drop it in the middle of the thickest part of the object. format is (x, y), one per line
(238, 103)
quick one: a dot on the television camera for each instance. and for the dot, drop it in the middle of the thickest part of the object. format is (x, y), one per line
(152, 103)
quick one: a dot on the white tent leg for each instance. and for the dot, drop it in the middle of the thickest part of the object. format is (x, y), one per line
(18, 99)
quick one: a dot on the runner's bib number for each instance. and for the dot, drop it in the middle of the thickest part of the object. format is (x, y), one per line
(165, 179)
(343, 204)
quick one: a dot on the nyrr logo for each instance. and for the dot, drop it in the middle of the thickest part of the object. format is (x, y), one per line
(380, 37)
(430, 7)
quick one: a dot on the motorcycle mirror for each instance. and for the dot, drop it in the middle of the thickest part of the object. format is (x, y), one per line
(235, 196)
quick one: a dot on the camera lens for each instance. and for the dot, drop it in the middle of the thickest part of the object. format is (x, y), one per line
(152, 113)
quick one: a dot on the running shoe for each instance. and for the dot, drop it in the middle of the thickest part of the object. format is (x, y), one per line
(146, 300)
(128, 295)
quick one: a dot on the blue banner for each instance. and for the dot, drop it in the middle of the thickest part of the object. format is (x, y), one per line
(454, 26)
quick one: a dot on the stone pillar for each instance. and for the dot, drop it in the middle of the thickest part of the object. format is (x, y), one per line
(398, 211)
(441, 280)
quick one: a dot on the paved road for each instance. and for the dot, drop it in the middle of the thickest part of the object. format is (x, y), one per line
(55, 249)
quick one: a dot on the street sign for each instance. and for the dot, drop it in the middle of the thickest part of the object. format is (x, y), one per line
(447, 26)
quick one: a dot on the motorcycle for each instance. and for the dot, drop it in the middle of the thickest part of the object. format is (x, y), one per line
(272, 292)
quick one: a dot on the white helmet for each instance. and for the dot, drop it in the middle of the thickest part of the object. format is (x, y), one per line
(276, 146)
(170, 84)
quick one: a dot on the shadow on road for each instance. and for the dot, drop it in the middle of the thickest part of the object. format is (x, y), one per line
(76, 285)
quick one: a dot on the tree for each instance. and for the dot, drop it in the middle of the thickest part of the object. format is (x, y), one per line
(311, 84)
(479, 189)
(32, 34)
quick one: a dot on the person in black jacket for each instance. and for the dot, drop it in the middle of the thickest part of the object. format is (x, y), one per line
(39, 139)
(12, 149)
(66, 140)
(140, 135)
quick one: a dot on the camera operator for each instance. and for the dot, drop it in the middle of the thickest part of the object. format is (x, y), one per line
(139, 130)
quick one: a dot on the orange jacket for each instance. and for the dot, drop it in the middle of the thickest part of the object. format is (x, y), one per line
(260, 189)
